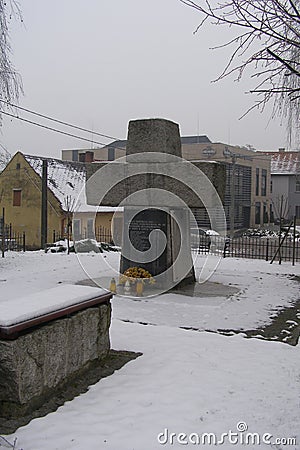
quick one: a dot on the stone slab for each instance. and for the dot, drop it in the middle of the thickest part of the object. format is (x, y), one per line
(32, 365)
(44, 302)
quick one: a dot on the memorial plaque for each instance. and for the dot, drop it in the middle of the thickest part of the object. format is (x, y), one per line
(140, 225)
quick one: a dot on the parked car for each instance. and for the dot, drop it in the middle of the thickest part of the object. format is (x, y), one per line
(208, 240)
(200, 240)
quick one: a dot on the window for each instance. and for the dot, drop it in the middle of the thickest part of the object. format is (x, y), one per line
(111, 154)
(257, 182)
(297, 189)
(90, 229)
(17, 197)
(77, 229)
(265, 214)
(264, 182)
(18, 166)
(257, 213)
(297, 212)
(238, 177)
(271, 186)
(271, 214)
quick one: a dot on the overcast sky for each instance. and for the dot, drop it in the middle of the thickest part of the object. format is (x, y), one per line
(100, 63)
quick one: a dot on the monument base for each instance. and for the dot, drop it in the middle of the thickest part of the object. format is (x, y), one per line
(191, 279)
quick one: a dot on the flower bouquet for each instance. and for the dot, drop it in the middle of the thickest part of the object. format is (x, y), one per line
(136, 276)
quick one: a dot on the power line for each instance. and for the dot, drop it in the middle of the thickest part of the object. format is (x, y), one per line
(52, 129)
(90, 131)
(58, 121)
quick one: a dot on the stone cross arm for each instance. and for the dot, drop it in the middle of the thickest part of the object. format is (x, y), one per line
(110, 184)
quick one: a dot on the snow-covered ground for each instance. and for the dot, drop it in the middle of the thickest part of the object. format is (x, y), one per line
(185, 382)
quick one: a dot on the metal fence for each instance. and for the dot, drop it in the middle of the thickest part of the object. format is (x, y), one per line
(242, 247)
(11, 240)
(249, 247)
(101, 234)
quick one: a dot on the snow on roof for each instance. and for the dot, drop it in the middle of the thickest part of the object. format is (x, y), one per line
(66, 179)
(285, 163)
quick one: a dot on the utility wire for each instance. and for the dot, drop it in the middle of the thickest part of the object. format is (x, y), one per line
(58, 121)
(5, 149)
(262, 156)
(52, 129)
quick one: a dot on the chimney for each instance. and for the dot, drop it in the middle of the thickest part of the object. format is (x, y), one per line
(281, 150)
(89, 157)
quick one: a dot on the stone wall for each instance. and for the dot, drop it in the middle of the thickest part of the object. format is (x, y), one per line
(45, 358)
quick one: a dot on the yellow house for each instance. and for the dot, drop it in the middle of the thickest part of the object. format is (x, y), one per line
(21, 198)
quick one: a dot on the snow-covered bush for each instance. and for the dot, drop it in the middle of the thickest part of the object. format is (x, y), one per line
(87, 246)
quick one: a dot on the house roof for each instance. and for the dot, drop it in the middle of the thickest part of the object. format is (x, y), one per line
(66, 180)
(284, 163)
(121, 144)
(195, 140)
(184, 140)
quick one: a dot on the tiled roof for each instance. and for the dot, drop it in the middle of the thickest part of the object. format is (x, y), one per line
(66, 179)
(284, 163)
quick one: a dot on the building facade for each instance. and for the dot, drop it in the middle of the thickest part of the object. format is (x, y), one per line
(285, 185)
(21, 197)
(247, 180)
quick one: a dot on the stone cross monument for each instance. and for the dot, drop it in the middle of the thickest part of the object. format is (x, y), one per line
(150, 219)
(157, 189)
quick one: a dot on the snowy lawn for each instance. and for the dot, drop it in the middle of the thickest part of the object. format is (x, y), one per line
(185, 382)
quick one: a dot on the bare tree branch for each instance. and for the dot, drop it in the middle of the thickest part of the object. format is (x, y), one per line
(10, 81)
(267, 42)
(284, 63)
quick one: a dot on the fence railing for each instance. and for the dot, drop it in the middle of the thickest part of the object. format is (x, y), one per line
(242, 247)
(11, 240)
(248, 247)
(101, 234)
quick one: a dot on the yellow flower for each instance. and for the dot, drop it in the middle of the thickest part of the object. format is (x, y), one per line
(132, 273)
